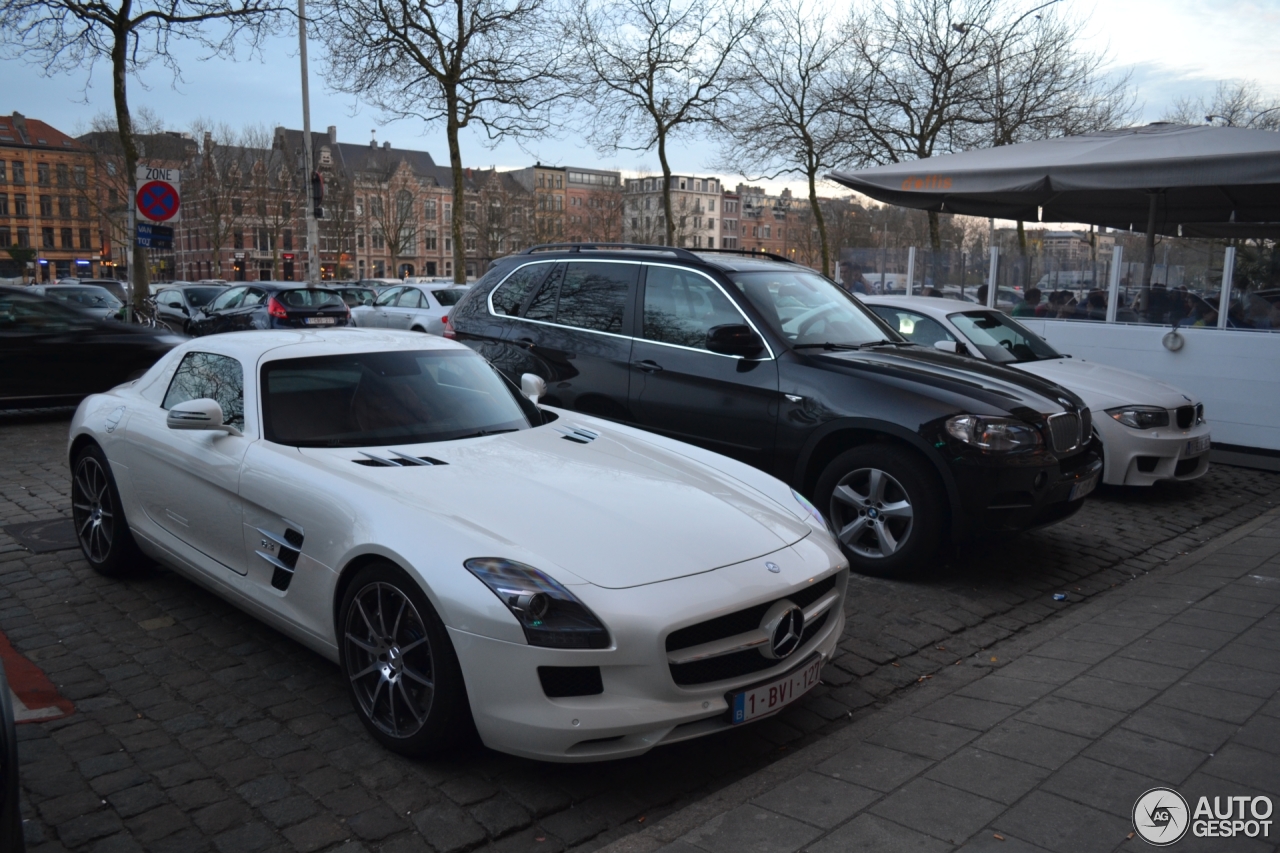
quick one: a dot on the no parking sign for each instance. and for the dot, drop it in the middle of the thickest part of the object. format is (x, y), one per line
(158, 198)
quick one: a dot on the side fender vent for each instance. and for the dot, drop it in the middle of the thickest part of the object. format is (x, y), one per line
(282, 553)
(401, 460)
(578, 434)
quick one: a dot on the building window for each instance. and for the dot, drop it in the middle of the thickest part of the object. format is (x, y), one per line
(66, 239)
(4, 172)
(4, 207)
(237, 208)
(46, 238)
(429, 209)
(359, 239)
(24, 238)
(262, 208)
(19, 172)
(64, 206)
(113, 197)
(81, 178)
(263, 240)
(711, 205)
(46, 205)
(82, 208)
(42, 174)
(286, 209)
(448, 244)
(429, 238)
(559, 182)
(471, 211)
(86, 240)
(5, 237)
(711, 242)
(470, 243)
(448, 211)
(286, 240)
(64, 175)
(237, 240)
(378, 241)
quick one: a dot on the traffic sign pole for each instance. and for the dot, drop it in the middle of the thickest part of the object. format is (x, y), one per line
(133, 252)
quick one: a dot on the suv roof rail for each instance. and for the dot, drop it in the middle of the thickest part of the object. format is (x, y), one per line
(685, 254)
(759, 253)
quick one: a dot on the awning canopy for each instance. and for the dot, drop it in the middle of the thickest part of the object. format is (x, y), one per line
(1200, 175)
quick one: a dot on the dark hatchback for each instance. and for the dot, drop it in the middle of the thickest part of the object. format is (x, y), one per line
(52, 354)
(175, 306)
(901, 447)
(271, 305)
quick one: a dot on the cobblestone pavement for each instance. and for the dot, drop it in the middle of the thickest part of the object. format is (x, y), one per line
(1047, 743)
(197, 728)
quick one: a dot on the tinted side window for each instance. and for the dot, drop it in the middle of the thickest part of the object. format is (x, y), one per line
(389, 297)
(251, 298)
(680, 307)
(594, 296)
(230, 299)
(543, 306)
(216, 377)
(411, 298)
(510, 295)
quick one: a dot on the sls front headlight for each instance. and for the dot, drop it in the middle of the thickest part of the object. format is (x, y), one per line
(1140, 417)
(810, 509)
(996, 435)
(550, 615)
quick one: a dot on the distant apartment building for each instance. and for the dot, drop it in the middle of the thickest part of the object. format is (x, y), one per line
(547, 184)
(47, 184)
(1073, 247)
(766, 222)
(695, 211)
(593, 205)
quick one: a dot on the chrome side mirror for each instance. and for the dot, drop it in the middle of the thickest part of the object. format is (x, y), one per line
(533, 387)
(947, 346)
(199, 414)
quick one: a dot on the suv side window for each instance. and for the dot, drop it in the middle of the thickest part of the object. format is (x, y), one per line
(410, 298)
(543, 306)
(511, 294)
(205, 375)
(680, 307)
(594, 296)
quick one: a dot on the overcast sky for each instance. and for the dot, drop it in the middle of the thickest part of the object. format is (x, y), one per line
(1173, 48)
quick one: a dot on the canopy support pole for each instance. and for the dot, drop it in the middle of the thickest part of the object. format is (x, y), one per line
(991, 277)
(1151, 242)
(1113, 286)
(911, 272)
(1228, 273)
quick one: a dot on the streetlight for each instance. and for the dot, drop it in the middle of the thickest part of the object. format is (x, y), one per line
(1209, 118)
(313, 231)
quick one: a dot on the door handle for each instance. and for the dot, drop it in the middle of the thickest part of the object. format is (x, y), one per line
(648, 366)
(525, 342)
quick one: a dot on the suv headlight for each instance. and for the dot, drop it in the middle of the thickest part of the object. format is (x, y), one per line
(1200, 414)
(998, 435)
(550, 615)
(811, 509)
(1140, 417)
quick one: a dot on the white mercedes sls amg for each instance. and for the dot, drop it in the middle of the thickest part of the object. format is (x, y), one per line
(575, 588)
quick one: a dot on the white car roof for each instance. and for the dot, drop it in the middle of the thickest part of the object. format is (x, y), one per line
(269, 345)
(932, 306)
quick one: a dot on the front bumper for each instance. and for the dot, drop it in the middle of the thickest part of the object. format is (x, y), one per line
(641, 706)
(1145, 457)
(1013, 494)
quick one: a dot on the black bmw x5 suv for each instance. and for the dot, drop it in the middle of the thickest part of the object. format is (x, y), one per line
(901, 447)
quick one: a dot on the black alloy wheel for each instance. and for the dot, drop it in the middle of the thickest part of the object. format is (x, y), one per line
(98, 516)
(885, 507)
(405, 681)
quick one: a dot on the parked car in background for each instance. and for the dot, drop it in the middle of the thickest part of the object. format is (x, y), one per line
(175, 305)
(1145, 429)
(118, 289)
(901, 447)
(271, 305)
(380, 284)
(53, 355)
(90, 298)
(352, 294)
(416, 307)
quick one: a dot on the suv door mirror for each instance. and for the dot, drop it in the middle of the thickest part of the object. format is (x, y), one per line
(199, 414)
(734, 339)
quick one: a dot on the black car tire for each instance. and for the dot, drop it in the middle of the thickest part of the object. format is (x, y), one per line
(409, 695)
(11, 834)
(98, 516)
(889, 511)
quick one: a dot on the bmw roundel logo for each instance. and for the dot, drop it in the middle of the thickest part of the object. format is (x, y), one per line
(773, 567)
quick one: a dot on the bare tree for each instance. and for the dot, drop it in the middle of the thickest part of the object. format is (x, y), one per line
(73, 35)
(486, 63)
(652, 70)
(338, 228)
(217, 190)
(603, 214)
(393, 199)
(1234, 103)
(785, 117)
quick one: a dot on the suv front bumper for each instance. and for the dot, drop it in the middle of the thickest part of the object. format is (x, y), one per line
(1021, 495)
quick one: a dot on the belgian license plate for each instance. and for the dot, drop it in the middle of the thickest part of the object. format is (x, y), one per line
(320, 321)
(770, 698)
(1083, 488)
(1196, 446)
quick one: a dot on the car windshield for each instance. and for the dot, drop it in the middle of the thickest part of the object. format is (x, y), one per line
(380, 398)
(85, 295)
(809, 310)
(198, 297)
(448, 297)
(354, 296)
(309, 298)
(1002, 339)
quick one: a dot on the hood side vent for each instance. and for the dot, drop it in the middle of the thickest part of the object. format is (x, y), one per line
(578, 434)
(282, 553)
(402, 460)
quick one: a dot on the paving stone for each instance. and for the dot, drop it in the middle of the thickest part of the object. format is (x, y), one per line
(1033, 744)
(989, 775)
(926, 738)
(1010, 691)
(874, 834)
(1171, 724)
(873, 766)
(1066, 715)
(967, 712)
(943, 811)
(1253, 768)
(1102, 786)
(751, 829)
(816, 799)
(1057, 824)
(1105, 693)
(448, 828)
(1225, 705)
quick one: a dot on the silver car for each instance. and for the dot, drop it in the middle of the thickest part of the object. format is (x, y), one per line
(416, 307)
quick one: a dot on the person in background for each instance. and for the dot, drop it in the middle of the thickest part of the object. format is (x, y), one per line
(1030, 304)
(852, 280)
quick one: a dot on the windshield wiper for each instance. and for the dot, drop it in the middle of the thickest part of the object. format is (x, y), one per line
(480, 433)
(829, 345)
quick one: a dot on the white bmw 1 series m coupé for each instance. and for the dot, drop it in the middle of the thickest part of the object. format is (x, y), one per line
(577, 588)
